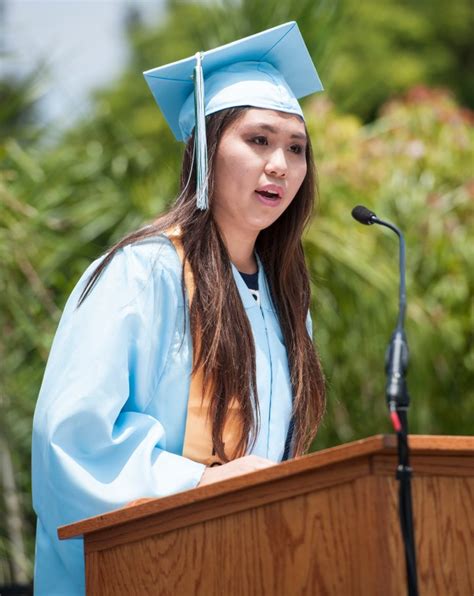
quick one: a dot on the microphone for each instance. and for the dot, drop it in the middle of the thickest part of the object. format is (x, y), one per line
(396, 358)
(363, 215)
(396, 392)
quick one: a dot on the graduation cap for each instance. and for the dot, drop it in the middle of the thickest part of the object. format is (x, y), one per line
(271, 70)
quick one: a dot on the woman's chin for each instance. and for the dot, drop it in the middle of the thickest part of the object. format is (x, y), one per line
(262, 222)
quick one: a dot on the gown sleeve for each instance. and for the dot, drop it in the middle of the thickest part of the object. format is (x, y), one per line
(95, 447)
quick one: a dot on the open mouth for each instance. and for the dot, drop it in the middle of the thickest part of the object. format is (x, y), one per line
(268, 194)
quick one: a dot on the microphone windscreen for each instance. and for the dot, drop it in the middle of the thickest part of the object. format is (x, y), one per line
(363, 215)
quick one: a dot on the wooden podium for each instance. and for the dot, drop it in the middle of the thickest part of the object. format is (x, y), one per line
(323, 524)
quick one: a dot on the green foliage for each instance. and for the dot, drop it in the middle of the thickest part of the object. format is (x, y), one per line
(18, 106)
(23, 345)
(379, 49)
(412, 166)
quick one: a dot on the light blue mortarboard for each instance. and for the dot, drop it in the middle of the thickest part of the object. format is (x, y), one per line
(271, 69)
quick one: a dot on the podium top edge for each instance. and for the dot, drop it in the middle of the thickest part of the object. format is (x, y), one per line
(430, 445)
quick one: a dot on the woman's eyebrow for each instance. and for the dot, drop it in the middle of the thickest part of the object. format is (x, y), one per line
(270, 128)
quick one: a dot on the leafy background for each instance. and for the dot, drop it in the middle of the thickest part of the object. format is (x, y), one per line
(394, 130)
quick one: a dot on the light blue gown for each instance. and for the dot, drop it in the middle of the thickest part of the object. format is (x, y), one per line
(110, 418)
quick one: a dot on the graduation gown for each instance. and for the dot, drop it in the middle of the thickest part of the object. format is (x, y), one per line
(110, 420)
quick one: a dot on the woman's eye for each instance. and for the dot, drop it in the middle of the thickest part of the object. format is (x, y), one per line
(260, 140)
(296, 149)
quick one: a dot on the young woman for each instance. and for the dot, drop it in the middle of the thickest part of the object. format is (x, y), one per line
(184, 356)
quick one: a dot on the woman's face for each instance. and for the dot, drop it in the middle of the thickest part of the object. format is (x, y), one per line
(260, 165)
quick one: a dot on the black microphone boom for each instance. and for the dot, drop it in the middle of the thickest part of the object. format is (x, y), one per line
(368, 217)
(398, 400)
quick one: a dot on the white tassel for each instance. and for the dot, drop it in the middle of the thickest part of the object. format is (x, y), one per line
(200, 140)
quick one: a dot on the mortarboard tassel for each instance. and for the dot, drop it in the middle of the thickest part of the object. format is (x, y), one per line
(200, 139)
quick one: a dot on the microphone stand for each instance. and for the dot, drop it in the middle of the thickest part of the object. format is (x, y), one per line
(398, 400)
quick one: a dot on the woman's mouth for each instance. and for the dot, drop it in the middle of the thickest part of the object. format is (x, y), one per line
(269, 195)
(268, 198)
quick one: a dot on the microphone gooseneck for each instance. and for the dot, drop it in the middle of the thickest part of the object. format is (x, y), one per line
(368, 217)
(398, 400)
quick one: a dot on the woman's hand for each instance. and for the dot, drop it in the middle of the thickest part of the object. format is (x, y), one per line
(237, 467)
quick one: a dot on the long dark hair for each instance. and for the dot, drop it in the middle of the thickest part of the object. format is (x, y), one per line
(222, 338)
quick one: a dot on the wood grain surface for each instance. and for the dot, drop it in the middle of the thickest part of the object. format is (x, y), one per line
(336, 541)
(312, 529)
(342, 453)
(286, 547)
(379, 444)
(221, 505)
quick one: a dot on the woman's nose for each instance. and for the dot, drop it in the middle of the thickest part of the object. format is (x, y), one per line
(276, 164)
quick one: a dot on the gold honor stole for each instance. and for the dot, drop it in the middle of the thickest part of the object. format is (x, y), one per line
(198, 434)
